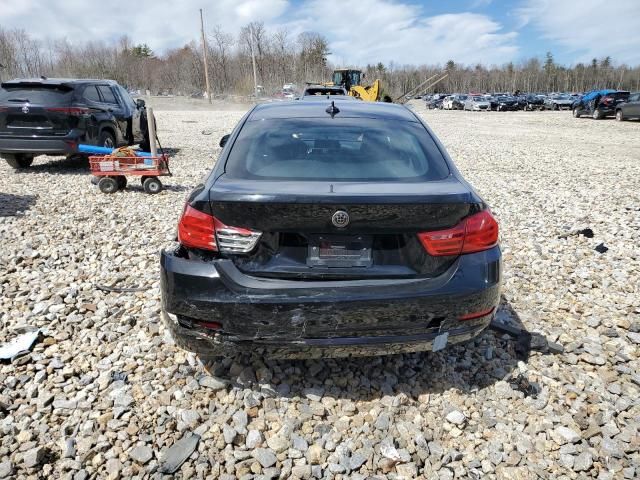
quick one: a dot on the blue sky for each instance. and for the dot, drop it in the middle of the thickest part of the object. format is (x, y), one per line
(361, 31)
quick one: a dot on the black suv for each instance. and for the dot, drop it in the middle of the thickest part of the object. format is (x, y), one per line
(52, 116)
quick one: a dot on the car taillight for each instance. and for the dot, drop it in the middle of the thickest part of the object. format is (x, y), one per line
(197, 229)
(235, 239)
(73, 111)
(473, 234)
(4, 109)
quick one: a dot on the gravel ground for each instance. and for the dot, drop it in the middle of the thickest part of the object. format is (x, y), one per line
(105, 394)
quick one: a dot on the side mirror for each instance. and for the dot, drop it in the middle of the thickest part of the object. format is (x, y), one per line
(140, 103)
(224, 140)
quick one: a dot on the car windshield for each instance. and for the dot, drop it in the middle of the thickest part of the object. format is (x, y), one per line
(478, 99)
(349, 149)
(562, 97)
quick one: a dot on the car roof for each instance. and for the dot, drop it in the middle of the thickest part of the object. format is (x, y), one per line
(316, 108)
(325, 87)
(58, 81)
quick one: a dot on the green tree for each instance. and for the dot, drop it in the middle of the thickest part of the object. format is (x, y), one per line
(142, 51)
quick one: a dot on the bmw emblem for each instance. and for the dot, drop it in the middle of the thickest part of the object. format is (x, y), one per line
(340, 219)
(25, 109)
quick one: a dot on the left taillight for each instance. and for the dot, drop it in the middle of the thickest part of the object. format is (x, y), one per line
(200, 230)
(475, 233)
(196, 230)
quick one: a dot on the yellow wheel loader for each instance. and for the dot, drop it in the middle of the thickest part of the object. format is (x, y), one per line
(352, 81)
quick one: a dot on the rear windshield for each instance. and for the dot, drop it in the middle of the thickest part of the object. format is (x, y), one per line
(356, 149)
(36, 94)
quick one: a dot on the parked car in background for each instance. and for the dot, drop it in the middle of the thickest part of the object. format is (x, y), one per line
(331, 232)
(504, 103)
(436, 101)
(560, 101)
(599, 103)
(477, 103)
(51, 116)
(629, 109)
(458, 102)
(447, 103)
(533, 101)
(454, 102)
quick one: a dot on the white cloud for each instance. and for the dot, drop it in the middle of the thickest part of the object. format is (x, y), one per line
(383, 30)
(160, 23)
(588, 29)
(386, 31)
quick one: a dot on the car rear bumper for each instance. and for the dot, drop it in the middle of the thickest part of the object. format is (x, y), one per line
(287, 318)
(607, 111)
(42, 145)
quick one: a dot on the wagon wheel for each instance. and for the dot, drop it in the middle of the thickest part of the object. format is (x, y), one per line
(108, 185)
(152, 185)
(122, 182)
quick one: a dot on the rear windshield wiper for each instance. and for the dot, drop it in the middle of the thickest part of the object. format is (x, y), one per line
(18, 100)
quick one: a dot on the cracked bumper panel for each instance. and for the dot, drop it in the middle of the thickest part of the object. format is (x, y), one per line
(288, 318)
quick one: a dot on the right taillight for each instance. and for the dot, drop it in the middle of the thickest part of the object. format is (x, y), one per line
(475, 233)
(197, 229)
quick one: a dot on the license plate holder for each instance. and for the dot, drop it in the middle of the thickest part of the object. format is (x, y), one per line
(339, 251)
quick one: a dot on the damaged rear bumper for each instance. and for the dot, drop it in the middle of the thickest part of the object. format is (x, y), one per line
(219, 344)
(303, 319)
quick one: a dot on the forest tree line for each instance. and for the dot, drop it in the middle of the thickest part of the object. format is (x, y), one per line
(281, 58)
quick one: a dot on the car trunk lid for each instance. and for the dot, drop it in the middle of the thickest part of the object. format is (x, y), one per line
(300, 237)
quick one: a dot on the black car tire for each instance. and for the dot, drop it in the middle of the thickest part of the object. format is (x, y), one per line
(19, 160)
(108, 185)
(152, 185)
(122, 182)
(107, 139)
(576, 113)
(597, 114)
(620, 116)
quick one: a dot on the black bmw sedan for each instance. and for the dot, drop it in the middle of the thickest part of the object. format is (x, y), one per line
(331, 228)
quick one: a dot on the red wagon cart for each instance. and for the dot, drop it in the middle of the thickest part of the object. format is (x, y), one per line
(113, 169)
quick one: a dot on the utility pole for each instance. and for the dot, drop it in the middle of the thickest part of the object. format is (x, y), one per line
(204, 55)
(253, 62)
